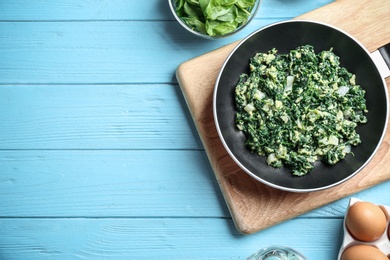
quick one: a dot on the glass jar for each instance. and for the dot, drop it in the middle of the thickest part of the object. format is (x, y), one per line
(277, 253)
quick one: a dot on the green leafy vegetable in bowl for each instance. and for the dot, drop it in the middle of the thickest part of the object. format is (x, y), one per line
(299, 107)
(214, 17)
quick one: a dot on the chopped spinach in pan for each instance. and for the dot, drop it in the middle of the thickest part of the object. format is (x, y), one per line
(299, 107)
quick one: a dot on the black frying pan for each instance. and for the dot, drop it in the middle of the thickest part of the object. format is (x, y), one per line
(285, 36)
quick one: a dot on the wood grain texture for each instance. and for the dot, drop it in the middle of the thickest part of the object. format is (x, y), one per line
(366, 20)
(109, 10)
(98, 42)
(255, 206)
(99, 158)
(125, 183)
(164, 238)
(99, 52)
(96, 183)
(95, 117)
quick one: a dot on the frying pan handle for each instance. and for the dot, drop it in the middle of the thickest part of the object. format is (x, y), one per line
(385, 51)
(381, 58)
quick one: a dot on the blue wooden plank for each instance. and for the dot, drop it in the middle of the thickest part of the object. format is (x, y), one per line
(123, 183)
(378, 194)
(104, 51)
(40, 10)
(108, 183)
(100, 52)
(95, 117)
(99, 157)
(166, 238)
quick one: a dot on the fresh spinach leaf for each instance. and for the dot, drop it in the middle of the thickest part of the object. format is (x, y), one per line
(246, 3)
(195, 24)
(192, 10)
(214, 17)
(213, 11)
(214, 28)
(203, 4)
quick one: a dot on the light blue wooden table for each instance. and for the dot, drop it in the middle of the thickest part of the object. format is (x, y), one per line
(99, 157)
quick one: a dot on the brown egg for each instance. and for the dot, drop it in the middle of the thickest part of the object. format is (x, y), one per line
(366, 221)
(363, 252)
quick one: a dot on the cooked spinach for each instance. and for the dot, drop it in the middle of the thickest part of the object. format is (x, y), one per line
(299, 107)
(214, 17)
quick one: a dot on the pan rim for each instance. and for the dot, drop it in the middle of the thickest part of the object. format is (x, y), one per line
(243, 167)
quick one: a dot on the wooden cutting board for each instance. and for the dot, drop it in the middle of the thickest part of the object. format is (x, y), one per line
(253, 205)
